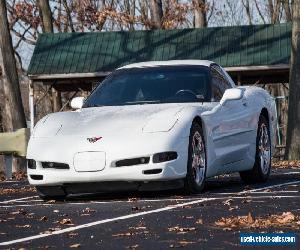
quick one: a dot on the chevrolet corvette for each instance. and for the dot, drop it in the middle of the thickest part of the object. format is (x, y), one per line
(152, 126)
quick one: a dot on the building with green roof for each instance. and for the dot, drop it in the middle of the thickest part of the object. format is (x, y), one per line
(251, 54)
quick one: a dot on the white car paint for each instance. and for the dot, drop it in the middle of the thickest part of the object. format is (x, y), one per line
(142, 130)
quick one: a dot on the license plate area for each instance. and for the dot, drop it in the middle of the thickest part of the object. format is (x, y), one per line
(89, 161)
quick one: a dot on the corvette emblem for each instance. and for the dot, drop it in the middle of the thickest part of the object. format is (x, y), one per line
(93, 139)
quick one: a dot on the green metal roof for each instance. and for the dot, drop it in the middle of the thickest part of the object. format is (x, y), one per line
(64, 53)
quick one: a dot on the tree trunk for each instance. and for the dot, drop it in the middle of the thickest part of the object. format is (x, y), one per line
(13, 114)
(14, 107)
(200, 13)
(46, 16)
(156, 13)
(47, 24)
(287, 10)
(248, 12)
(274, 10)
(293, 128)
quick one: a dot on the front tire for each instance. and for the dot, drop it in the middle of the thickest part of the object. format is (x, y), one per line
(196, 166)
(262, 166)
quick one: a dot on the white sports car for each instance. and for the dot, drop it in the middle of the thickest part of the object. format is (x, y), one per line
(154, 125)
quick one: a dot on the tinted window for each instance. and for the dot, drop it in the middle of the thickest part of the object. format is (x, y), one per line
(219, 83)
(168, 84)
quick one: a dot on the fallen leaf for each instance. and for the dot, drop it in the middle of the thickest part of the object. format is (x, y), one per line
(286, 218)
(132, 199)
(66, 221)
(178, 229)
(133, 247)
(228, 202)
(51, 201)
(122, 234)
(43, 218)
(199, 221)
(23, 226)
(75, 245)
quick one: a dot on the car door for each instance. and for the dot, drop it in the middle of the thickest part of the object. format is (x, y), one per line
(229, 126)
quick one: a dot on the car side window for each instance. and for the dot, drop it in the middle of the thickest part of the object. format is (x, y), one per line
(219, 83)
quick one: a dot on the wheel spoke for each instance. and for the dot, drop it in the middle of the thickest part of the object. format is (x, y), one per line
(198, 158)
(264, 149)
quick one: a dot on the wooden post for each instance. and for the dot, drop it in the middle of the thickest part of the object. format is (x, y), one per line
(239, 79)
(31, 105)
(8, 165)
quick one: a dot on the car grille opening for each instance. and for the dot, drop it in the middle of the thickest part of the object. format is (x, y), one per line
(164, 156)
(36, 177)
(55, 165)
(132, 162)
(31, 164)
(152, 171)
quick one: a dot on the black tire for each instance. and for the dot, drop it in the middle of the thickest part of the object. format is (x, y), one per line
(47, 193)
(259, 173)
(191, 185)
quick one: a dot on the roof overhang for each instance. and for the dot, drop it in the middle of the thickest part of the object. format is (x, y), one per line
(244, 74)
(52, 77)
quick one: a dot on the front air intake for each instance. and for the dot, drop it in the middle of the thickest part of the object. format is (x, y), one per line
(132, 162)
(55, 165)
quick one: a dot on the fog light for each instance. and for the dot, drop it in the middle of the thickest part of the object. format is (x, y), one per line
(165, 156)
(31, 164)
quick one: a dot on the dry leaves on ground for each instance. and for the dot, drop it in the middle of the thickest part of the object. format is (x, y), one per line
(43, 218)
(286, 164)
(19, 211)
(66, 221)
(75, 245)
(87, 211)
(181, 230)
(182, 243)
(140, 229)
(18, 176)
(286, 219)
(23, 226)
(133, 247)
(6, 191)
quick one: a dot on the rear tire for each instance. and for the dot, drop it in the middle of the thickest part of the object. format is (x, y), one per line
(262, 166)
(196, 166)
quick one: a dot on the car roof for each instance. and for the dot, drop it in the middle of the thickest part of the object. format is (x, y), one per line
(167, 63)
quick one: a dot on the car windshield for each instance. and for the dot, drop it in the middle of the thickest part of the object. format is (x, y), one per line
(165, 84)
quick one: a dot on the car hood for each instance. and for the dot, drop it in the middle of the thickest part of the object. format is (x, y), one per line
(115, 120)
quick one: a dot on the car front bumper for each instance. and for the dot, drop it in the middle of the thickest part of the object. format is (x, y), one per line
(63, 149)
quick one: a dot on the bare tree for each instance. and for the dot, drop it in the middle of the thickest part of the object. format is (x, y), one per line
(274, 7)
(200, 19)
(293, 129)
(13, 115)
(287, 10)
(47, 24)
(46, 16)
(248, 12)
(156, 13)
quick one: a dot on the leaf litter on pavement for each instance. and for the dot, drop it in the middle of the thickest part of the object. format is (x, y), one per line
(286, 219)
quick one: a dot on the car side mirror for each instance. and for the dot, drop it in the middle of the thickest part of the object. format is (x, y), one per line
(230, 95)
(77, 102)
